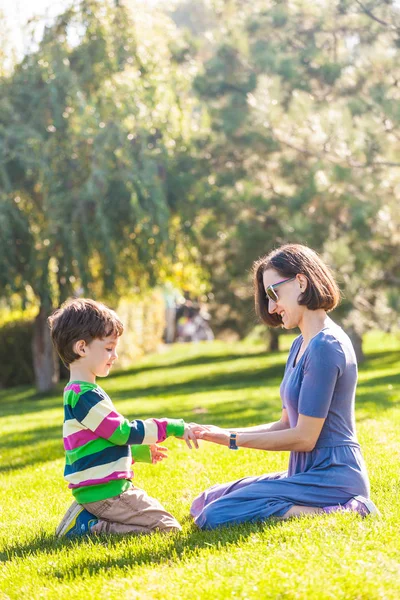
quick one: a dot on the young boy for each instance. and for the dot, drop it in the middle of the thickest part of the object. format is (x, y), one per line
(100, 444)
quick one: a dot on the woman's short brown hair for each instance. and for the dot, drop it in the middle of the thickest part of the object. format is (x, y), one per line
(81, 319)
(290, 260)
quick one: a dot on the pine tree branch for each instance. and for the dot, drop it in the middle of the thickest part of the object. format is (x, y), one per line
(331, 159)
(378, 163)
(372, 16)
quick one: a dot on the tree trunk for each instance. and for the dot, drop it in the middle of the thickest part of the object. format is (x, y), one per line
(356, 340)
(273, 345)
(45, 362)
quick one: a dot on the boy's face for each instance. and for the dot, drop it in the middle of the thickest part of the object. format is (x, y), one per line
(100, 355)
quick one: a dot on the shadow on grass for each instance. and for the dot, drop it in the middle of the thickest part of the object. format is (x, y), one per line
(191, 362)
(32, 437)
(46, 442)
(26, 400)
(385, 380)
(384, 358)
(379, 391)
(261, 376)
(171, 548)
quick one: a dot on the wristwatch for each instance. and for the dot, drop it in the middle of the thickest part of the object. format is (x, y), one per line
(232, 442)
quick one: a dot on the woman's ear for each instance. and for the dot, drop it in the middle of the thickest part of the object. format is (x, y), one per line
(303, 282)
(80, 348)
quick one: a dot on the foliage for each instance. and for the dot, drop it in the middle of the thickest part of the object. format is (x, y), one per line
(144, 322)
(303, 147)
(84, 151)
(88, 123)
(144, 144)
(334, 556)
(16, 353)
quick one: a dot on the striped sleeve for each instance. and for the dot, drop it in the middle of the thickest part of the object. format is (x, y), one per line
(141, 453)
(95, 411)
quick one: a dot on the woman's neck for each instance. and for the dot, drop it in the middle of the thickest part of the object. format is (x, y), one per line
(313, 322)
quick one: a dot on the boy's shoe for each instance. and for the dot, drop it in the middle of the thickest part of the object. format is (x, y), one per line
(359, 504)
(76, 521)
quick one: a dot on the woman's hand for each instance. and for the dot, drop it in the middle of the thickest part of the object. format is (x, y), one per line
(211, 433)
(189, 437)
(158, 453)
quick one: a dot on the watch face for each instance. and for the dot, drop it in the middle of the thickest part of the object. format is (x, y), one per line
(232, 441)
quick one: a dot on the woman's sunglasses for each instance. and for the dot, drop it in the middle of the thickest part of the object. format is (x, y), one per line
(270, 291)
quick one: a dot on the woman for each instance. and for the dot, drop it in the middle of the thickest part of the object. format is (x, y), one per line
(294, 288)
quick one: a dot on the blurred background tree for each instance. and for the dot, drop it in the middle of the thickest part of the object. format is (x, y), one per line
(87, 124)
(303, 102)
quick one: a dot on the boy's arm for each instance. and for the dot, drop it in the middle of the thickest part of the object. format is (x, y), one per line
(98, 414)
(148, 454)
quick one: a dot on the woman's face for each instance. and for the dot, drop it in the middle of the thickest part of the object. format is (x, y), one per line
(287, 306)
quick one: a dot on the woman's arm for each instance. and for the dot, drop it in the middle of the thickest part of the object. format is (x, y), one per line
(322, 368)
(301, 438)
(283, 423)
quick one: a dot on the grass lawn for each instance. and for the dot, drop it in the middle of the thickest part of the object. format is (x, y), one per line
(330, 556)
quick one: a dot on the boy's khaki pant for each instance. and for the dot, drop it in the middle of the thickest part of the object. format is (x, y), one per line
(132, 511)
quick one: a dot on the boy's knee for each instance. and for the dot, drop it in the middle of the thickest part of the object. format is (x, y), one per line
(170, 527)
(166, 523)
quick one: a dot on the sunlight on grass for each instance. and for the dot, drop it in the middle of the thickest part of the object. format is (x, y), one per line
(329, 557)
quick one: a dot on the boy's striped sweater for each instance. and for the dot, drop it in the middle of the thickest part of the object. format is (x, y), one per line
(100, 444)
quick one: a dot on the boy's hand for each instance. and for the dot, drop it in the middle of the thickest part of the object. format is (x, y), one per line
(158, 453)
(190, 437)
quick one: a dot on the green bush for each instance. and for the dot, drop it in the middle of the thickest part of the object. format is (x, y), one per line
(16, 353)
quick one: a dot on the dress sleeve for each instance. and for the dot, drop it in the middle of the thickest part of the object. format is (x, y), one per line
(323, 365)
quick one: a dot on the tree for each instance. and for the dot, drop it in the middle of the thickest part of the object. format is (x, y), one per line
(87, 126)
(304, 131)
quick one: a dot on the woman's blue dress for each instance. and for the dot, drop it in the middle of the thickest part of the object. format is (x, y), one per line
(320, 384)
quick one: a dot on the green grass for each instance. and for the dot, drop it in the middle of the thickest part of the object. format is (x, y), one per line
(335, 556)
